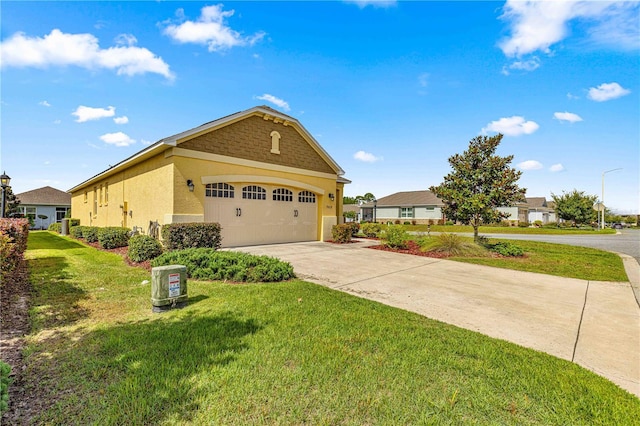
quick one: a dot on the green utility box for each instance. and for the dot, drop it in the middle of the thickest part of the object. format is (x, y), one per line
(168, 287)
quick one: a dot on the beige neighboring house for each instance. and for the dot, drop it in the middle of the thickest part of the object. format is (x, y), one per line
(258, 172)
(44, 206)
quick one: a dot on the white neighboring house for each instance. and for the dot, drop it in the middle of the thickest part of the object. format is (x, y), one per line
(541, 209)
(44, 206)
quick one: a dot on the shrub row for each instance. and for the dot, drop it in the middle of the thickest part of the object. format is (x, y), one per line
(143, 247)
(5, 370)
(209, 264)
(395, 236)
(371, 230)
(13, 244)
(55, 227)
(178, 236)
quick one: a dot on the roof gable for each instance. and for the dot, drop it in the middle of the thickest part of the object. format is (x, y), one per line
(45, 196)
(410, 199)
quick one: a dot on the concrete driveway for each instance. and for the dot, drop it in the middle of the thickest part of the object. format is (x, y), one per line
(595, 324)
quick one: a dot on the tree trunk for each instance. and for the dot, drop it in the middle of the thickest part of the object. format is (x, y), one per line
(475, 233)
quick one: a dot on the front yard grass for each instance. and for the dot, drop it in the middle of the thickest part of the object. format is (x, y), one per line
(509, 230)
(279, 353)
(558, 259)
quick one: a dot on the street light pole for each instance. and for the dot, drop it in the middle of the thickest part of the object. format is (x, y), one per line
(603, 206)
(4, 183)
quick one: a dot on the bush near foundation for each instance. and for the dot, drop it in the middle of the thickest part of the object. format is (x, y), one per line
(76, 231)
(90, 234)
(341, 234)
(5, 370)
(143, 247)
(13, 244)
(112, 237)
(209, 264)
(179, 236)
(355, 228)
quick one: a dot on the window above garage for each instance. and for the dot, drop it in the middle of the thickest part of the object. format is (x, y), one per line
(306, 197)
(220, 190)
(254, 192)
(282, 194)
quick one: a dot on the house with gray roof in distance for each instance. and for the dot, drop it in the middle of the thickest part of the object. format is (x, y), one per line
(419, 207)
(541, 209)
(44, 206)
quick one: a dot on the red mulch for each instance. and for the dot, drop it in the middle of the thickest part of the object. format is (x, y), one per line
(412, 248)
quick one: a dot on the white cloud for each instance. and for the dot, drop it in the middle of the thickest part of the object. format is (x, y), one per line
(528, 65)
(607, 91)
(85, 113)
(367, 157)
(537, 25)
(276, 101)
(117, 139)
(375, 3)
(567, 116)
(57, 122)
(126, 40)
(423, 79)
(210, 29)
(145, 142)
(121, 120)
(530, 165)
(556, 168)
(572, 96)
(82, 50)
(44, 103)
(512, 126)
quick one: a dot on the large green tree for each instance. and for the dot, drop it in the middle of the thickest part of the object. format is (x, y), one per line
(480, 182)
(575, 206)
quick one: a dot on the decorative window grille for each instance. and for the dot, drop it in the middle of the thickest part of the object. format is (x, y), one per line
(282, 194)
(306, 197)
(254, 192)
(220, 190)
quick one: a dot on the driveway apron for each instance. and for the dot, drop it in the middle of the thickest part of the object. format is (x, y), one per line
(595, 324)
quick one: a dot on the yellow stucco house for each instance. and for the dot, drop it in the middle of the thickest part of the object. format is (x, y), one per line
(259, 173)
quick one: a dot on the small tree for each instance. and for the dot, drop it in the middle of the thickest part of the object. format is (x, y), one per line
(11, 202)
(575, 206)
(479, 183)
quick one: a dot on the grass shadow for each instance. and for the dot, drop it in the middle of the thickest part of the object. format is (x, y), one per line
(151, 371)
(56, 294)
(44, 240)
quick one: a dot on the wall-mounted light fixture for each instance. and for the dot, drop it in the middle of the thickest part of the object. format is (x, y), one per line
(332, 197)
(190, 185)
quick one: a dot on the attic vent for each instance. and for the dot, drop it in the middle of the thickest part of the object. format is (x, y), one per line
(275, 142)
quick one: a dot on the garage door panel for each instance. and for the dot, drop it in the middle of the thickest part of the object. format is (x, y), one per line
(250, 221)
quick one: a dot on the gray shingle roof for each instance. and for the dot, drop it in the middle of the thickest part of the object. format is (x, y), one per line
(536, 202)
(47, 196)
(410, 199)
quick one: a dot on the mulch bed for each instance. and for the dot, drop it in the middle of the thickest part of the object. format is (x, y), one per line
(412, 248)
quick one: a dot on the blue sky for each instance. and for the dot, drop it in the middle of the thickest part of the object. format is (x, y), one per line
(390, 89)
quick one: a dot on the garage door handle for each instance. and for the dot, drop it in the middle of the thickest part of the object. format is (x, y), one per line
(295, 213)
(238, 212)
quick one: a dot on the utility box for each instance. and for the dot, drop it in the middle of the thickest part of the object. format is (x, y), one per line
(168, 287)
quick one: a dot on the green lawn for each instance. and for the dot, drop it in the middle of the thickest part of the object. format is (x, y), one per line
(284, 353)
(509, 230)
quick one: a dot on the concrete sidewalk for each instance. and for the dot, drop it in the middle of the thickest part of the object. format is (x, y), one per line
(595, 324)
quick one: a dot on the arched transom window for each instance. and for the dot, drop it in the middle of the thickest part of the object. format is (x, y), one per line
(306, 197)
(282, 194)
(220, 190)
(254, 192)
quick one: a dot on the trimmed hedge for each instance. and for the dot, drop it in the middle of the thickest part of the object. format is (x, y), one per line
(180, 236)
(90, 233)
(506, 249)
(143, 247)
(355, 228)
(209, 264)
(76, 231)
(112, 237)
(13, 244)
(341, 233)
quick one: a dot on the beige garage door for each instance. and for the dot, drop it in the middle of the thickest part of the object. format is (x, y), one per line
(252, 214)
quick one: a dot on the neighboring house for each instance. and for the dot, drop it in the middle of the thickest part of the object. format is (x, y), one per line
(258, 172)
(352, 208)
(44, 206)
(423, 207)
(541, 209)
(517, 213)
